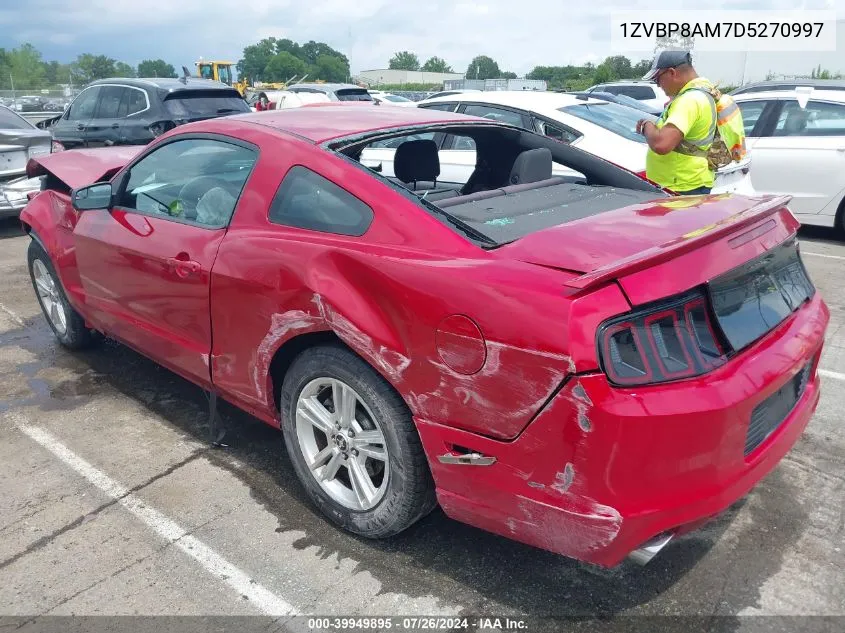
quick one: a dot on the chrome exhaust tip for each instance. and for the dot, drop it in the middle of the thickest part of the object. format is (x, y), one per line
(643, 554)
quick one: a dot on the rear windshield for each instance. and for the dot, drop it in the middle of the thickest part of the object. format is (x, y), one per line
(353, 94)
(11, 121)
(617, 118)
(190, 105)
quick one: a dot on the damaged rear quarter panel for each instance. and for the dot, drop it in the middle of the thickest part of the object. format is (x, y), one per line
(384, 294)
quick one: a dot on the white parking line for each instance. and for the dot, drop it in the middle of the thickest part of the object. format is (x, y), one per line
(263, 599)
(12, 315)
(832, 374)
(821, 255)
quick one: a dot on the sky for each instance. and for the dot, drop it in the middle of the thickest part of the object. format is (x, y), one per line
(518, 35)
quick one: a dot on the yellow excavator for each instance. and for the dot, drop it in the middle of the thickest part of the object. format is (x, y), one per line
(220, 71)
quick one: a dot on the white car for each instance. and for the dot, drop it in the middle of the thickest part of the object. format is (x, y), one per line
(386, 98)
(593, 125)
(797, 137)
(641, 90)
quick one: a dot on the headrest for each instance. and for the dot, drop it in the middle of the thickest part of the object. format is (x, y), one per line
(416, 160)
(532, 165)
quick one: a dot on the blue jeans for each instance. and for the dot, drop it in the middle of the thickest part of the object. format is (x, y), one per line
(695, 192)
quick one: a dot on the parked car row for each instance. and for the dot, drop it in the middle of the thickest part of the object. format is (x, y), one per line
(795, 130)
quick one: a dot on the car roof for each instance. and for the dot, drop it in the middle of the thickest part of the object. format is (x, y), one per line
(321, 122)
(523, 99)
(817, 95)
(828, 84)
(164, 83)
(327, 87)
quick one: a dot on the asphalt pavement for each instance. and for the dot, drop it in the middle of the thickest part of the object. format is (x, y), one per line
(113, 503)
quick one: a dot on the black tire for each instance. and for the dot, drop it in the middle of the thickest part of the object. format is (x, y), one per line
(76, 335)
(409, 494)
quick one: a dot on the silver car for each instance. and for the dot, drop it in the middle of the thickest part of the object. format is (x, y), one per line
(20, 140)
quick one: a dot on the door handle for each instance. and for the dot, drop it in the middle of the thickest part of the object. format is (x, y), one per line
(114, 126)
(183, 267)
(80, 127)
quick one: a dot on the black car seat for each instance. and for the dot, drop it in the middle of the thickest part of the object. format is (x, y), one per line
(416, 161)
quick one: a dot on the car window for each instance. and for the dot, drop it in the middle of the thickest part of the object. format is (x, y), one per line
(496, 114)
(11, 121)
(306, 200)
(194, 181)
(395, 142)
(83, 106)
(614, 117)
(109, 103)
(134, 101)
(635, 92)
(751, 112)
(353, 94)
(817, 119)
(557, 131)
(445, 107)
(195, 104)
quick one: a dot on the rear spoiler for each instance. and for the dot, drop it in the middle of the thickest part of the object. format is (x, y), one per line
(683, 244)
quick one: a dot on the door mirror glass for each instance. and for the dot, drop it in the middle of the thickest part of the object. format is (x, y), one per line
(97, 196)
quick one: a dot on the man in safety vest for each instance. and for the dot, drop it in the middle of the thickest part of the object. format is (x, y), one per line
(699, 131)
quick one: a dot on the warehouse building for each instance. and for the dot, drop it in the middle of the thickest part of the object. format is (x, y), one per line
(386, 76)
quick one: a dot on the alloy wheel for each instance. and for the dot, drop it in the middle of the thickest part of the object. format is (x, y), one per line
(48, 295)
(342, 443)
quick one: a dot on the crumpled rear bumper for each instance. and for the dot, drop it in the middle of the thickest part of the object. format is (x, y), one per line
(602, 470)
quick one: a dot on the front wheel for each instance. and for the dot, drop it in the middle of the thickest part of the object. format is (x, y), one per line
(353, 444)
(66, 323)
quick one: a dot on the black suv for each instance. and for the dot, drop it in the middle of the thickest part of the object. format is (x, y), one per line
(135, 111)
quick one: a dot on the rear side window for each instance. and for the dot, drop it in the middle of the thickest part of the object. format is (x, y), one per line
(11, 121)
(134, 101)
(353, 94)
(635, 92)
(816, 119)
(616, 118)
(496, 114)
(188, 104)
(445, 107)
(306, 200)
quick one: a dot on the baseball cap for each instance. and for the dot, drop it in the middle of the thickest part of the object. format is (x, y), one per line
(667, 59)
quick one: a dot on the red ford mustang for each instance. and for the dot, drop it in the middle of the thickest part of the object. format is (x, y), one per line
(578, 361)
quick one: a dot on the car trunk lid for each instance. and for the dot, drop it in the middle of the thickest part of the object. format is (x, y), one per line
(650, 247)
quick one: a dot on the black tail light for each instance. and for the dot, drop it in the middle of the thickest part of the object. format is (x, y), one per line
(669, 341)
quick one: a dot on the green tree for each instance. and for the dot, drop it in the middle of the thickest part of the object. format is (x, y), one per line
(404, 60)
(289, 46)
(88, 68)
(331, 68)
(156, 68)
(312, 51)
(641, 68)
(25, 67)
(283, 66)
(507, 75)
(122, 69)
(436, 65)
(56, 73)
(619, 66)
(483, 67)
(255, 59)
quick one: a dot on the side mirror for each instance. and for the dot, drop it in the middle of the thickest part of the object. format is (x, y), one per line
(97, 196)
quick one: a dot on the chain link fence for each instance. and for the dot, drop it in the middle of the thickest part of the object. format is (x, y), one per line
(38, 99)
